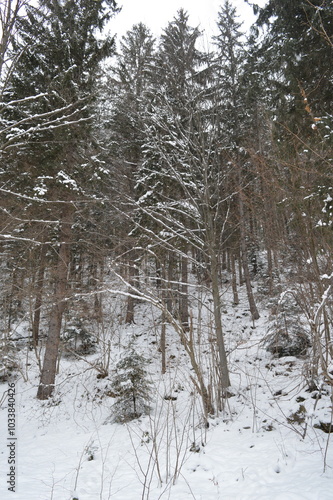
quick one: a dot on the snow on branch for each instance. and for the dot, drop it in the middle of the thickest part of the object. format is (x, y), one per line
(4, 105)
(10, 237)
(41, 200)
(67, 119)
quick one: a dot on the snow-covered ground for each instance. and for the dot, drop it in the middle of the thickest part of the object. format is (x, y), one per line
(263, 446)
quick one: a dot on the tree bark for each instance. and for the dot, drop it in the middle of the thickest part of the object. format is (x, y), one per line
(130, 299)
(223, 368)
(39, 296)
(163, 344)
(170, 297)
(164, 293)
(234, 278)
(183, 306)
(48, 374)
(243, 246)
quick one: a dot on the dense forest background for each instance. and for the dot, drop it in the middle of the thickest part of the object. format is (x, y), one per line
(157, 172)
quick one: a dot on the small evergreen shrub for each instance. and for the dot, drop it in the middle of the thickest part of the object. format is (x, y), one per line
(78, 339)
(131, 387)
(8, 358)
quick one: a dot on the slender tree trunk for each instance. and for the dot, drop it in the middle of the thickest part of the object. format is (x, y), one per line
(205, 394)
(252, 304)
(39, 296)
(270, 269)
(130, 300)
(224, 260)
(48, 374)
(234, 278)
(133, 279)
(15, 296)
(223, 368)
(213, 263)
(98, 301)
(240, 268)
(183, 309)
(270, 228)
(163, 344)
(170, 298)
(164, 296)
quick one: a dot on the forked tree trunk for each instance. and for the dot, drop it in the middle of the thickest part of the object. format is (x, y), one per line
(199, 382)
(48, 374)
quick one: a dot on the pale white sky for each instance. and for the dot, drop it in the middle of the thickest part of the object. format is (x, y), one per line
(156, 14)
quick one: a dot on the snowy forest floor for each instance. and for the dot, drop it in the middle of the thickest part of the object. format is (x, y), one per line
(264, 445)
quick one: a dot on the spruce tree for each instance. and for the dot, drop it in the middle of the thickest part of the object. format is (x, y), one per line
(170, 118)
(51, 155)
(229, 68)
(170, 123)
(130, 82)
(128, 98)
(297, 52)
(300, 58)
(181, 180)
(131, 387)
(231, 106)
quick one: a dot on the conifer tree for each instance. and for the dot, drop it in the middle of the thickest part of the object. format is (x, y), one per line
(130, 86)
(51, 156)
(178, 64)
(131, 387)
(130, 82)
(299, 60)
(297, 52)
(231, 105)
(298, 55)
(180, 180)
(229, 68)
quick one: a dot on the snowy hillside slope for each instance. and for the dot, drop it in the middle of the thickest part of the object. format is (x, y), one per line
(264, 445)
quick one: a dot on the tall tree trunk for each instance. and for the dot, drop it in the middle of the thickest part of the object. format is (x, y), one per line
(243, 246)
(234, 278)
(39, 295)
(130, 299)
(164, 293)
(48, 374)
(98, 301)
(163, 344)
(269, 269)
(183, 302)
(223, 368)
(270, 226)
(170, 296)
(240, 267)
(134, 282)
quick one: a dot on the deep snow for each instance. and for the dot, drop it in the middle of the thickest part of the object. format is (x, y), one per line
(254, 450)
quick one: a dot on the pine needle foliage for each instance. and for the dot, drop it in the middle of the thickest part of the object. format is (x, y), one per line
(132, 388)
